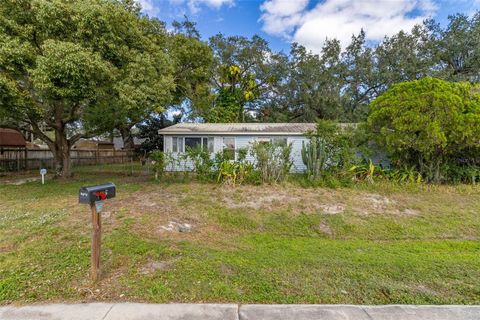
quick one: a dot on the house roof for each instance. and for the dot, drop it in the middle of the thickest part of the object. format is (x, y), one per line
(11, 138)
(239, 128)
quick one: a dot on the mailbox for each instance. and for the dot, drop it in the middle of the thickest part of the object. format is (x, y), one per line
(92, 194)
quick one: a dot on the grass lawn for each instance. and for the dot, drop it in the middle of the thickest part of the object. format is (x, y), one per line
(250, 244)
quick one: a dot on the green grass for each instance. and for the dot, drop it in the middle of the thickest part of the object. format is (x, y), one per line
(250, 244)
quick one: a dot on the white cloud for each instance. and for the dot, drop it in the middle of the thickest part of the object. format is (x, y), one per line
(281, 16)
(195, 5)
(340, 19)
(149, 7)
(152, 7)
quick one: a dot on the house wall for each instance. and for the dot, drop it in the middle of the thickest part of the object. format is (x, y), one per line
(241, 141)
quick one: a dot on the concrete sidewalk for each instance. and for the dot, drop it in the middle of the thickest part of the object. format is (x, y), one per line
(139, 311)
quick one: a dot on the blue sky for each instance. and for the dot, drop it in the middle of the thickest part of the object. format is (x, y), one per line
(308, 22)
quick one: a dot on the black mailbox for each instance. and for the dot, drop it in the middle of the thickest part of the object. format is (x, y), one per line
(96, 193)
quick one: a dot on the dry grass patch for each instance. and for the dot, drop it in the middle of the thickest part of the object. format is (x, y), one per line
(265, 244)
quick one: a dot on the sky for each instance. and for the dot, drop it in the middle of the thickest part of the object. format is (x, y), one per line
(308, 22)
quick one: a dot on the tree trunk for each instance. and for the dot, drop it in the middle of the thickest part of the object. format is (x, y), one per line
(127, 138)
(61, 154)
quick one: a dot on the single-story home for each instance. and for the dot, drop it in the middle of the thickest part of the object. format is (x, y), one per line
(11, 138)
(90, 144)
(216, 137)
(118, 142)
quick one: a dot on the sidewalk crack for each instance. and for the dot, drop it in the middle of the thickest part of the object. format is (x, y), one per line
(368, 314)
(110, 309)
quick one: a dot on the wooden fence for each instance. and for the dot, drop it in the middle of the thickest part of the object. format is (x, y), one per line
(19, 159)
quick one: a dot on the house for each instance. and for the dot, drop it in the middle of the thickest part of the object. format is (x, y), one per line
(86, 144)
(118, 142)
(10, 138)
(13, 150)
(216, 137)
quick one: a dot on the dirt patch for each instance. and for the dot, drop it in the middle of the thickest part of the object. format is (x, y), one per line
(379, 202)
(275, 198)
(333, 208)
(152, 266)
(175, 226)
(325, 228)
(18, 182)
(410, 212)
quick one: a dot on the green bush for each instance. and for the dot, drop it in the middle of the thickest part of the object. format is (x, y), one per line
(331, 147)
(158, 162)
(201, 161)
(272, 160)
(430, 125)
(234, 172)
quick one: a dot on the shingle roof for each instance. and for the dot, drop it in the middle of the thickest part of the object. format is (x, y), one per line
(239, 128)
(11, 138)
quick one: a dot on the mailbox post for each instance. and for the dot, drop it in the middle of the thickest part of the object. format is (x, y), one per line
(94, 196)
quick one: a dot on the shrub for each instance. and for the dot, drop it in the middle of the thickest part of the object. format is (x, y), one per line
(405, 174)
(158, 162)
(430, 124)
(272, 160)
(329, 147)
(365, 172)
(234, 172)
(201, 161)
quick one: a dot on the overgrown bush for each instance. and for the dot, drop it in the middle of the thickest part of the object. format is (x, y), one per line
(329, 147)
(158, 163)
(272, 160)
(201, 161)
(431, 125)
(234, 172)
(370, 172)
(365, 172)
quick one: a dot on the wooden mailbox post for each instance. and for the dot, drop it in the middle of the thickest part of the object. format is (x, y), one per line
(94, 196)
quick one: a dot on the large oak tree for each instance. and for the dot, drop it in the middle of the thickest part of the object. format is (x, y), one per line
(77, 67)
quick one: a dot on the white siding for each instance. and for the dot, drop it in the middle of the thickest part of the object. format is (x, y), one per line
(296, 142)
(243, 141)
(217, 144)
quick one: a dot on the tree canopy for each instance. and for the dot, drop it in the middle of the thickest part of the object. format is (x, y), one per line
(81, 68)
(429, 123)
(85, 68)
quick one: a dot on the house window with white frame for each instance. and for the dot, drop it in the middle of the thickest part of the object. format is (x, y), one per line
(181, 144)
(229, 148)
(275, 140)
(279, 141)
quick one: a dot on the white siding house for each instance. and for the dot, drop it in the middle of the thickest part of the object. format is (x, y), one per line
(215, 137)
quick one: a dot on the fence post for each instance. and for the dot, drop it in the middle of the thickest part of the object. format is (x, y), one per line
(26, 158)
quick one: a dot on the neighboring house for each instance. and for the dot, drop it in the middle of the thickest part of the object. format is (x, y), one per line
(10, 138)
(13, 151)
(86, 144)
(216, 137)
(118, 142)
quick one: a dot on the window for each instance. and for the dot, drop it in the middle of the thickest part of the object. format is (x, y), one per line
(274, 140)
(210, 144)
(279, 141)
(177, 144)
(191, 143)
(229, 148)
